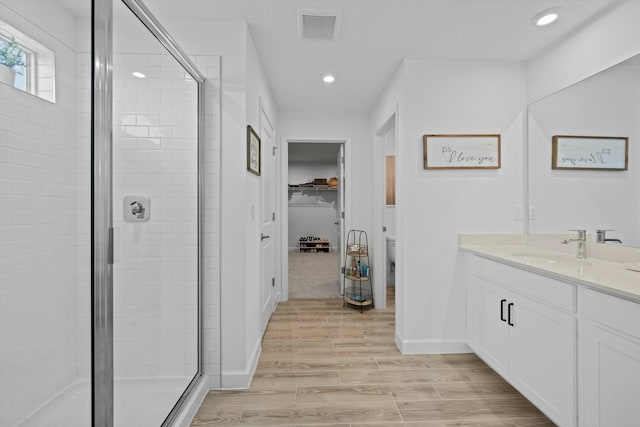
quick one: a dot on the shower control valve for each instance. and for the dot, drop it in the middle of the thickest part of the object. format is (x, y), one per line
(136, 209)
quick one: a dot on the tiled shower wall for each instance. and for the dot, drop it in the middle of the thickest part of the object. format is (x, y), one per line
(155, 271)
(39, 225)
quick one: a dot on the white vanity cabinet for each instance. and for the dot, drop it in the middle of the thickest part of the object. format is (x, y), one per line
(523, 325)
(609, 361)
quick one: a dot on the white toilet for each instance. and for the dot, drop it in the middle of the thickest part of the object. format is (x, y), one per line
(391, 252)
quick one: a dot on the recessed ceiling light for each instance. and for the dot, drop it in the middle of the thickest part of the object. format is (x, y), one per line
(328, 78)
(138, 74)
(546, 17)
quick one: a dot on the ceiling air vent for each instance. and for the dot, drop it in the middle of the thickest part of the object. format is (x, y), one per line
(318, 24)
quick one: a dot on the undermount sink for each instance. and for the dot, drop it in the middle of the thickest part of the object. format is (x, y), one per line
(534, 257)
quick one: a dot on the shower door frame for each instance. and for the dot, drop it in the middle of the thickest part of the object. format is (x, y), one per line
(102, 244)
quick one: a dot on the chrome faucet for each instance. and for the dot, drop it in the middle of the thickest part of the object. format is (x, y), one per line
(601, 237)
(582, 243)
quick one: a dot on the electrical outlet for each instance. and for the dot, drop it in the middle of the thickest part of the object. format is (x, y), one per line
(532, 213)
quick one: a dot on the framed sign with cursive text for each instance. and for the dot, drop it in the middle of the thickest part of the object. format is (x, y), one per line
(590, 152)
(480, 151)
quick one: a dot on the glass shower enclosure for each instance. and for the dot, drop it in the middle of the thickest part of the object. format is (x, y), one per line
(100, 210)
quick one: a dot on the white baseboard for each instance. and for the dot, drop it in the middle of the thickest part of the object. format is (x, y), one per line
(241, 379)
(431, 346)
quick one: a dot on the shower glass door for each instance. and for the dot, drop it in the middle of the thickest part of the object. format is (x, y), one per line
(155, 221)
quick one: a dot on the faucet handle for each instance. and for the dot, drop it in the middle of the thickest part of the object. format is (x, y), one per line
(581, 233)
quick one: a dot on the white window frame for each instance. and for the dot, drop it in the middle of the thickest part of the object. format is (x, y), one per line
(40, 67)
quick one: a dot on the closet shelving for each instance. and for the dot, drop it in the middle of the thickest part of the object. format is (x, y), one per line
(293, 189)
(357, 276)
(317, 195)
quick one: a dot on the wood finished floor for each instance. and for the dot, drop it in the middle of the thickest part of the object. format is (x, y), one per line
(325, 365)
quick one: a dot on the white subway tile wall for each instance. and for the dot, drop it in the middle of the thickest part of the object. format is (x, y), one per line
(155, 276)
(39, 240)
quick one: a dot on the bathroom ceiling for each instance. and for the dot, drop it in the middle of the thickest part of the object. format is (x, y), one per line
(374, 37)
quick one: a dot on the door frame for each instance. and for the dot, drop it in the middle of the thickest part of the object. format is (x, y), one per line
(379, 203)
(284, 199)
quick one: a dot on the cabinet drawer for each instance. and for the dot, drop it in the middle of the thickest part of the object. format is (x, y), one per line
(611, 311)
(553, 292)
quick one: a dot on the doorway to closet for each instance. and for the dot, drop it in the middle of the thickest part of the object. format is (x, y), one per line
(315, 213)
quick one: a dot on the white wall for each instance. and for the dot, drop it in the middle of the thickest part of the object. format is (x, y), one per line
(43, 347)
(606, 104)
(435, 206)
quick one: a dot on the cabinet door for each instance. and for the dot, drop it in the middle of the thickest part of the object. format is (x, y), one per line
(489, 332)
(542, 357)
(610, 377)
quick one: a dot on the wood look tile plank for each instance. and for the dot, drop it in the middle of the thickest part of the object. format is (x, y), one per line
(366, 392)
(534, 422)
(453, 423)
(255, 396)
(402, 376)
(313, 333)
(362, 343)
(317, 413)
(430, 361)
(307, 344)
(475, 409)
(295, 378)
(481, 374)
(480, 390)
(386, 351)
(206, 417)
(342, 363)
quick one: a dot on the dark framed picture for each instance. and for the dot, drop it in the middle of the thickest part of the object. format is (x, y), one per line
(253, 151)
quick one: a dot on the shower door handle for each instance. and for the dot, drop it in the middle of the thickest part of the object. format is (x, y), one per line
(264, 236)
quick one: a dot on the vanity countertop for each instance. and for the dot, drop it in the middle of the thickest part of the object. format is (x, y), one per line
(608, 276)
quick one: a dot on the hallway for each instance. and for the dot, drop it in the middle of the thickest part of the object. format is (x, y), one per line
(322, 364)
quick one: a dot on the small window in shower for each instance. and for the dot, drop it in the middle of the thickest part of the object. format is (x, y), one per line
(26, 64)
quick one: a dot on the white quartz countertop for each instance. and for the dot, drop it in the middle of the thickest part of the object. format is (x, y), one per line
(607, 276)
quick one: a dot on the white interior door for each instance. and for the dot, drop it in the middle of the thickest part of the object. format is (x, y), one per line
(340, 216)
(267, 222)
